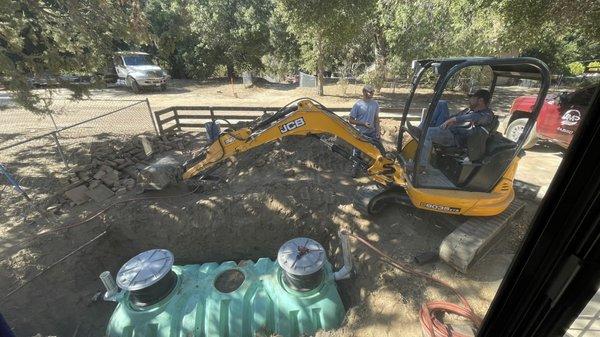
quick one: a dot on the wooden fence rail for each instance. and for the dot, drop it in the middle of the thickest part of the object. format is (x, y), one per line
(180, 117)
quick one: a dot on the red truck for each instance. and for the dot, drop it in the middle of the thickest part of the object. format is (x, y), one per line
(559, 117)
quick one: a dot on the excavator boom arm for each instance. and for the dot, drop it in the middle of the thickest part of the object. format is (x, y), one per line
(307, 119)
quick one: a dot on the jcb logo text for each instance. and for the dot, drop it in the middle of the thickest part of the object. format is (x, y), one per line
(292, 125)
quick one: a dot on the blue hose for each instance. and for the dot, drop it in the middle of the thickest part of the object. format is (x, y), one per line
(5, 330)
(13, 182)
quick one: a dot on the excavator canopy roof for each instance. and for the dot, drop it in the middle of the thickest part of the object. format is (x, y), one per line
(520, 67)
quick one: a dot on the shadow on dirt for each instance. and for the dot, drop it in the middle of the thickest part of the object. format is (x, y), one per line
(550, 148)
(277, 192)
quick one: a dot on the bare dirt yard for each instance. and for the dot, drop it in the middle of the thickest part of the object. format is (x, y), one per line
(262, 198)
(221, 93)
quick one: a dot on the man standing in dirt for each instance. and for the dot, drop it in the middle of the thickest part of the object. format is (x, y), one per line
(365, 117)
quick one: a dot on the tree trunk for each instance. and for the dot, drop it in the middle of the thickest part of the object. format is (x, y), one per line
(230, 72)
(320, 66)
(381, 56)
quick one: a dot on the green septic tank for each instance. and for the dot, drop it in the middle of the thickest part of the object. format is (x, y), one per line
(227, 299)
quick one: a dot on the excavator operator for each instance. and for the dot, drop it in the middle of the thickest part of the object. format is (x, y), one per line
(453, 131)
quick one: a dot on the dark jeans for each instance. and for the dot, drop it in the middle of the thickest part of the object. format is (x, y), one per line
(440, 115)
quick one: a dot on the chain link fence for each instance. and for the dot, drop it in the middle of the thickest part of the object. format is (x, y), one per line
(37, 152)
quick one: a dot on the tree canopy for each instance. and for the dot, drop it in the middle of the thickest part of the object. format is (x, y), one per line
(192, 38)
(323, 27)
(53, 38)
(237, 30)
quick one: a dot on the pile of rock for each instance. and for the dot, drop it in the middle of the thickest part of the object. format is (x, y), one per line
(113, 169)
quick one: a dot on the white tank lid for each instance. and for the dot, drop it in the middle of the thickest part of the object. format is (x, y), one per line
(301, 256)
(145, 269)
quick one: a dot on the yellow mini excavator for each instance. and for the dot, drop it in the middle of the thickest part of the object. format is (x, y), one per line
(474, 180)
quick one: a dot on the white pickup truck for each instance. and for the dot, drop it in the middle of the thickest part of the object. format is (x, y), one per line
(136, 71)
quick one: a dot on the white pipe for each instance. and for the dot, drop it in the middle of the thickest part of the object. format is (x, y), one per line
(345, 271)
(111, 286)
(342, 274)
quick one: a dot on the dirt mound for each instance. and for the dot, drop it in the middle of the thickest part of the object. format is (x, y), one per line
(256, 202)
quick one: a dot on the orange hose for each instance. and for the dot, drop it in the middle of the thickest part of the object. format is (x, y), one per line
(427, 315)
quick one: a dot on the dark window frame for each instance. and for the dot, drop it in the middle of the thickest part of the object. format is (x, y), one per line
(557, 269)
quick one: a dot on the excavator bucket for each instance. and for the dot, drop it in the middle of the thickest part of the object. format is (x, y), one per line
(169, 170)
(162, 173)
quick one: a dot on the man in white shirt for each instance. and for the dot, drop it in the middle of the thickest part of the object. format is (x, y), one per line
(365, 118)
(365, 114)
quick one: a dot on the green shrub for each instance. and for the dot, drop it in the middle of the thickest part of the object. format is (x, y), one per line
(343, 83)
(576, 68)
(373, 78)
(594, 66)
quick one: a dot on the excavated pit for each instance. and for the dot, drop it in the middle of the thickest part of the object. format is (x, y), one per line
(258, 201)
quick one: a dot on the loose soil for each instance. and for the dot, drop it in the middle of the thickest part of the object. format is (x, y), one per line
(261, 199)
(256, 202)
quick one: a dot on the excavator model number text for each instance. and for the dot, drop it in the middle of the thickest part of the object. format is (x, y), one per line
(440, 208)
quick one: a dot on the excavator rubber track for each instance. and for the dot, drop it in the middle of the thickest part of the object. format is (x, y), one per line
(372, 199)
(474, 238)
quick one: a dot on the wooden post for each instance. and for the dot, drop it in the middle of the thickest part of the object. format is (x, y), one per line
(176, 119)
(159, 123)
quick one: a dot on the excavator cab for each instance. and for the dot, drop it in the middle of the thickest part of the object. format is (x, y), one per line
(474, 178)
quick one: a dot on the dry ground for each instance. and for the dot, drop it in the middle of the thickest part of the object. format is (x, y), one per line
(221, 93)
(283, 190)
